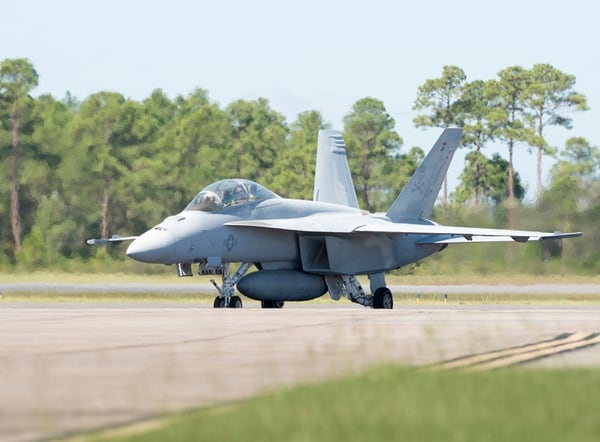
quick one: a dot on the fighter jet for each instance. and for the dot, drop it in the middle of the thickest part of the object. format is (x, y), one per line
(302, 249)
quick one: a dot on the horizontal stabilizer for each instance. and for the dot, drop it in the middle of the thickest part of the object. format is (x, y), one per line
(560, 235)
(461, 239)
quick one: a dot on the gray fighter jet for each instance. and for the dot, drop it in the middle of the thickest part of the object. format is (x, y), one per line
(302, 249)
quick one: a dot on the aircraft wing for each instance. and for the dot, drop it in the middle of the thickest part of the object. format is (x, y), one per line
(453, 234)
(307, 224)
(437, 234)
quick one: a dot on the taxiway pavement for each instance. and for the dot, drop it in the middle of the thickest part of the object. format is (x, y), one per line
(68, 368)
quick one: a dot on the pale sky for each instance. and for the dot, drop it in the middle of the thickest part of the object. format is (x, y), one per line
(308, 54)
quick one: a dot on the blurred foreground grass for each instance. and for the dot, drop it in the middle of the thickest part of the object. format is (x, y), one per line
(391, 403)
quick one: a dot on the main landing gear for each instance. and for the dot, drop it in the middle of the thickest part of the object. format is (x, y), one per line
(350, 287)
(226, 298)
(382, 298)
(337, 285)
(271, 304)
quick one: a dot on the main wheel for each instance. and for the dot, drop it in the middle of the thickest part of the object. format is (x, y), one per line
(382, 298)
(219, 302)
(235, 302)
(271, 304)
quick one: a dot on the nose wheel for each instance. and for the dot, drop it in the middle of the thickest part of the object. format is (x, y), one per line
(234, 302)
(226, 298)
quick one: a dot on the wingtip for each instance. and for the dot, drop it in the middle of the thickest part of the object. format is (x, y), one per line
(559, 235)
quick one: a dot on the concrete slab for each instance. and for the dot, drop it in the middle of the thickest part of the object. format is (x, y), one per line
(73, 367)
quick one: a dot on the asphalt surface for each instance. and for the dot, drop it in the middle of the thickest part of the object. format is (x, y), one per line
(70, 368)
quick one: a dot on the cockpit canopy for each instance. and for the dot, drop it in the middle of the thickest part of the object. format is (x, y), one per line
(226, 193)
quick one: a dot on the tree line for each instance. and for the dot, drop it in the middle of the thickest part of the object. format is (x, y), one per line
(112, 165)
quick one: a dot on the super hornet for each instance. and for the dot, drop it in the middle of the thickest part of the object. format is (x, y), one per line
(302, 249)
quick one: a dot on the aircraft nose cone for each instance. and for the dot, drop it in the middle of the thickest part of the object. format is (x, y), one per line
(154, 246)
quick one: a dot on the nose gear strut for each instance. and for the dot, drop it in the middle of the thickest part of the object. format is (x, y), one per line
(226, 291)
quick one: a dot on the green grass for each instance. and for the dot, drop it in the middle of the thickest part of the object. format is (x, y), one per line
(495, 298)
(82, 297)
(192, 296)
(401, 404)
(399, 299)
(171, 278)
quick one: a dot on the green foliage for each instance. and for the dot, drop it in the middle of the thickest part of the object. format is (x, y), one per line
(293, 174)
(373, 147)
(573, 199)
(579, 159)
(259, 133)
(441, 97)
(108, 165)
(52, 226)
(475, 107)
(17, 78)
(549, 92)
(491, 178)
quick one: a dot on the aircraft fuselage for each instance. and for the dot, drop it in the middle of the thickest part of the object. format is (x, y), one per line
(194, 236)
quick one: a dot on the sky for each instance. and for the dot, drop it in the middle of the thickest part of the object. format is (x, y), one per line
(308, 54)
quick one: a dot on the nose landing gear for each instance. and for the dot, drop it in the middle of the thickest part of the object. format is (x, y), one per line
(226, 298)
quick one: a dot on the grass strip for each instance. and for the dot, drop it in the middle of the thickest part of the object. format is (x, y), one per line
(392, 278)
(495, 298)
(391, 403)
(399, 298)
(83, 297)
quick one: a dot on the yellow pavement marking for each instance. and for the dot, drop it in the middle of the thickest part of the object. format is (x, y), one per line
(516, 359)
(511, 356)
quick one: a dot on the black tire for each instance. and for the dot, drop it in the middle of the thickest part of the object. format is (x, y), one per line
(235, 302)
(383, 299)
(271, 304)
(219, 302)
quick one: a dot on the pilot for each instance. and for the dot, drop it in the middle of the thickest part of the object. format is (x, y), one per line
(240, 194)
(252, 192)
(210, 202)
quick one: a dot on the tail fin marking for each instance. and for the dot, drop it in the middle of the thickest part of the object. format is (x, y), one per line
(333, 182)
(418, 196)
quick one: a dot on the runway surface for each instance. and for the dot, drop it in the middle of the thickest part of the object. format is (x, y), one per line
(68, 368)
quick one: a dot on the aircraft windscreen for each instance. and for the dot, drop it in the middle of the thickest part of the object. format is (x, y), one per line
(227, 193)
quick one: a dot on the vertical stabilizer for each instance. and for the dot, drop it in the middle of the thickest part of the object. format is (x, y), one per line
(418, 196)
(333, 182)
